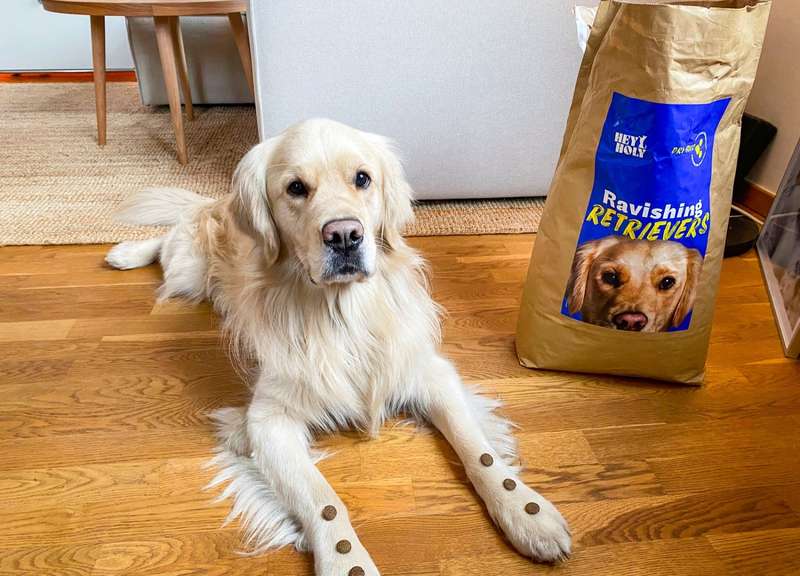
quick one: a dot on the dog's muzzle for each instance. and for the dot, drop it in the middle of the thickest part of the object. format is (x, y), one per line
(344, 259)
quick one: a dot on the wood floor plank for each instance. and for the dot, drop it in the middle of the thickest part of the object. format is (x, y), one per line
(33, 331)
(679, 516)
(45, 488)
(767, 553)
(684, 557)
(760, 467)
(556, 401)
(75, 301)
(153, 554)
(97, 277)
(672, 440)
(588, 482)
(149, 324)
(94, 448)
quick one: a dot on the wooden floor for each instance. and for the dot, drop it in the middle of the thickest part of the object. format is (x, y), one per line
(103, 435)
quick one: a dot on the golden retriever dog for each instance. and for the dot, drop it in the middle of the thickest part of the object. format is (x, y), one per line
(305, 263)
(635, 285)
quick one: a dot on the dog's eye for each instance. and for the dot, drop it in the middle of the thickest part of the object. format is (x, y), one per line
(297, 188)
(362, 180)
(666, 283)
(611, 278)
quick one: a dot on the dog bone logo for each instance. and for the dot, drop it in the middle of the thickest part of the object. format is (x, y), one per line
(697, 149)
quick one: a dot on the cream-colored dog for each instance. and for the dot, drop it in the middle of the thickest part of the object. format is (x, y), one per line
(305, 263)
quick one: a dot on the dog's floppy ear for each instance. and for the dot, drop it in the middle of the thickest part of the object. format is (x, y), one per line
(694, 264)
(579, 277)
(397, 193)
(576, 287)
(251, 209)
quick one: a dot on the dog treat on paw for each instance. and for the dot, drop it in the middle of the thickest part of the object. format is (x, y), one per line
(625, 267)
(329, 513)
(532, 508)
(343, 546)
(487, 460)
(509, 484)
(356, 571)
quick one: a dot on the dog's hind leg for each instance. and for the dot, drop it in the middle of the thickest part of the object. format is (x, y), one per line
(134, 253)
(279, 444)
(481, 440)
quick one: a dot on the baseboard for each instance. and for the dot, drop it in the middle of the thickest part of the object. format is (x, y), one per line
(754, 199)
(78, 76)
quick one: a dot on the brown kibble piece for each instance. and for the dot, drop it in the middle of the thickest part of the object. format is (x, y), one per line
(509, 484)
(487, 460)
(343, 546)
(356, 571)
(329, 512)
(532, 508)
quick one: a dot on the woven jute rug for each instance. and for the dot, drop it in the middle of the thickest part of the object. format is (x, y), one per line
(57, 186)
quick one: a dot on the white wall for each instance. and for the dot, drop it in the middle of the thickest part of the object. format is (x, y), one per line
(33, 39)
(776, 93)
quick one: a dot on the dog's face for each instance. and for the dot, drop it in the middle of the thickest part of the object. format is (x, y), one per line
(325, 195)
(633, 285)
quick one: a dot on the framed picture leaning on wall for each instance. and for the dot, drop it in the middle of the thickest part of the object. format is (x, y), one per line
(779, 253)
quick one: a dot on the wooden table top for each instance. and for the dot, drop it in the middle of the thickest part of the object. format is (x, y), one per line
(145, 7)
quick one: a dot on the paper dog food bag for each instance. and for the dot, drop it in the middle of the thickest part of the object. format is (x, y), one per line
(626, 263)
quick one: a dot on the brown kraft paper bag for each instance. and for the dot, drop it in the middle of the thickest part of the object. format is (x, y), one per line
(626, 263)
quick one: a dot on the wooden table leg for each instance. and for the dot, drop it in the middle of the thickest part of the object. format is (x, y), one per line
(166, 51)
(98, 25)
(243, 44)
(180, 60)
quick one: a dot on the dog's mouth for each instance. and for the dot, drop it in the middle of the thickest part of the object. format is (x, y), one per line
(344, 268)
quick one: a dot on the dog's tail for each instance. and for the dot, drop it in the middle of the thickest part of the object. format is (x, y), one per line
(159, 206)
(151, 207)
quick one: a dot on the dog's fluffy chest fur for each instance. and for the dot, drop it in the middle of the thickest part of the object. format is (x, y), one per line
(355, 343)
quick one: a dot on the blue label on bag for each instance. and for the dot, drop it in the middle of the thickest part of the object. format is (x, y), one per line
(645, 231)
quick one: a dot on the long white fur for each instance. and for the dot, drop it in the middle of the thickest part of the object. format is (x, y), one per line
(329, 356)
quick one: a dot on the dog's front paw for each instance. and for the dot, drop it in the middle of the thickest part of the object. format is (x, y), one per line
(531, 522)
(342, 556)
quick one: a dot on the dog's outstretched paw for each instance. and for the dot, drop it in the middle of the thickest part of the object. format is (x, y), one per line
(531, 523)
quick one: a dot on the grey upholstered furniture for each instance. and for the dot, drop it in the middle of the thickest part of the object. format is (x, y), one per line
(475, 93)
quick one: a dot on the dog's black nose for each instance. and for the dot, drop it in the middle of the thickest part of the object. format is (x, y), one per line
(343, 235)
(631, 321)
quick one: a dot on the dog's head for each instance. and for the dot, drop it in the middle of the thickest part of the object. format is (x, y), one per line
(330, 197)
(633, 285)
